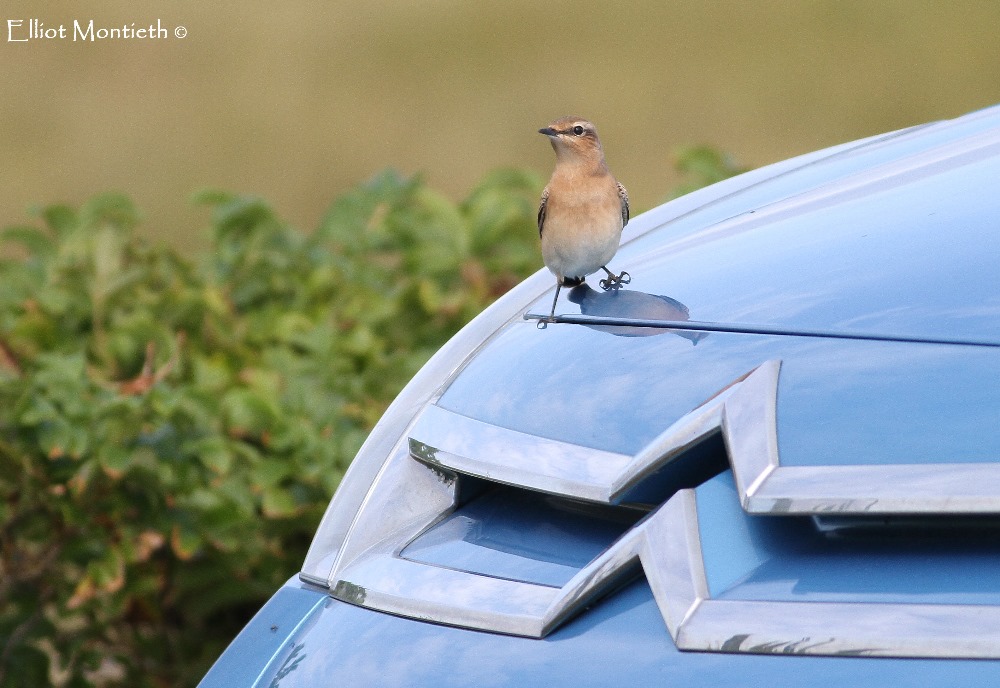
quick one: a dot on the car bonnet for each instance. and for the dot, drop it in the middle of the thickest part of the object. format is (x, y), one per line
(815, 338)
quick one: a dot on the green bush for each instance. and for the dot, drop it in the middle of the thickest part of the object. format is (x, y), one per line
(171, 431)
(702, 165)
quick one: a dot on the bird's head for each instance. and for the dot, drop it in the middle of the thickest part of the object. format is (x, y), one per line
(574, 138)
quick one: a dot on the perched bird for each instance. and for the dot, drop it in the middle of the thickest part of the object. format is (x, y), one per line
(583, 208)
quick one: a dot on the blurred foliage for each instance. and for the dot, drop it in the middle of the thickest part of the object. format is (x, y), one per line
(171, 432)
(702, 165)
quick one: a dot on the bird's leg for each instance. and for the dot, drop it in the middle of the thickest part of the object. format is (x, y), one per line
(542, 322)
(614, 281)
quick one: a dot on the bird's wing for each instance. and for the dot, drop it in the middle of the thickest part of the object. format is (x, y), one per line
(622, 194)
(541, 210)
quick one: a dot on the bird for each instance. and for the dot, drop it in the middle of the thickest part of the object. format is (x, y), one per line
(583, 209)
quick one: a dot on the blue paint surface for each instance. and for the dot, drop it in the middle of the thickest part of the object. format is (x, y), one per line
(269, 637)
(839, 401)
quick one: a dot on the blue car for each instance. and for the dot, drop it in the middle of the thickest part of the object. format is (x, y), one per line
(772, 460)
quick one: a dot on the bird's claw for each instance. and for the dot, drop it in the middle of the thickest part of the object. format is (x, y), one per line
(615, 281)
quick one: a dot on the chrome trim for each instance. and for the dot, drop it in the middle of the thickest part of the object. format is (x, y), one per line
(809, 628)
(667, 545)
(672, 561)
(943, 488)
(413, 495)
(464, 445)
(419, 487)
(743, 412)
(941, 631)
(441, 595)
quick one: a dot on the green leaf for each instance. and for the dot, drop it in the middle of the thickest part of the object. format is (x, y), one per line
(702, 165)
(61, 219)
(58, 437)
(270, 472)
(278, 503)
(214, 454)
(112, 209)
(108, 572)
(184, 541)
(247, 412)
(35, 241)
(211, 197)
(116, 460)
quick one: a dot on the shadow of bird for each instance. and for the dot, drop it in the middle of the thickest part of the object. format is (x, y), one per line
(634, 305)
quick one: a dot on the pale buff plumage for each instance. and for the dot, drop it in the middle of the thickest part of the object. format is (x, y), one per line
(583, 208)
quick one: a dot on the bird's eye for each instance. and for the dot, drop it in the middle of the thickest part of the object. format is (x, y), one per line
(578, 130)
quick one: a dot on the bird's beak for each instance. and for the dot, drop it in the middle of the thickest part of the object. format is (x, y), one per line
(548, 131)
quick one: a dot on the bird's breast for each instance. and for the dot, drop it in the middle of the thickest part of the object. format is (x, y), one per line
(583, 226)
(583, 205)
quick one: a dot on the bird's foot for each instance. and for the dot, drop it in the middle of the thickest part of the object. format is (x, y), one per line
(614, 281)
(544, 322)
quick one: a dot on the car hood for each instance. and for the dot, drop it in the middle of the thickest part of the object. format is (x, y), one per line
(806, 356)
